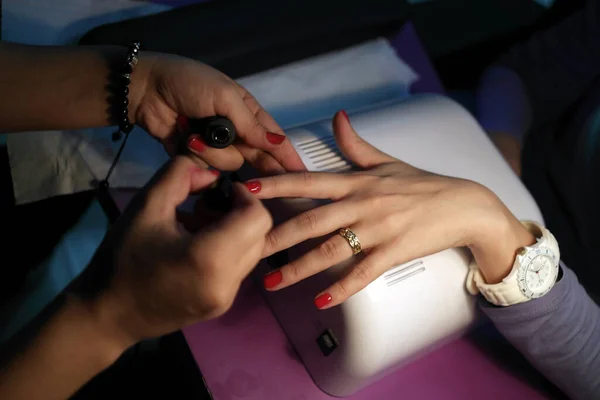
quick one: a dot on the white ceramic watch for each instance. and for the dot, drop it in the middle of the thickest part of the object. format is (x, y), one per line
(534, 272)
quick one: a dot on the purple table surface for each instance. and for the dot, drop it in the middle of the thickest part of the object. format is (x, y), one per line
(246, 355)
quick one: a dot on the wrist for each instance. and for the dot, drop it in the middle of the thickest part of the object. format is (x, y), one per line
(140, 80)
(99, 318)
(495, 247)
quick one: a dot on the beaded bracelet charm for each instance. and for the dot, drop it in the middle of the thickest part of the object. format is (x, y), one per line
(121, 101)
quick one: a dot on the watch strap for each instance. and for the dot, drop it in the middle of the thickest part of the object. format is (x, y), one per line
(507, 292)
(501, 294)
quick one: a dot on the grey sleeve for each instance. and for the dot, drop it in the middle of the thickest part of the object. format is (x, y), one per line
(558, 65)
(559, 334)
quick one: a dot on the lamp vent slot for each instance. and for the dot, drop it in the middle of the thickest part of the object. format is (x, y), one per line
(402, 272)
(324, 155)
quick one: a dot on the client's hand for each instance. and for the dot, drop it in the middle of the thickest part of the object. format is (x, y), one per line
(398, 212)
(177, 86)
(151, 277)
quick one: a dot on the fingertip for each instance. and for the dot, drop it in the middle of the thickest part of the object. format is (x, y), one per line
(324, 301)
(341, 124)
(253, 186)
(272, 280)
(201, 177)
(246, 206)
(343, 114)
(275, 138)
(196, 144)
(354, 147)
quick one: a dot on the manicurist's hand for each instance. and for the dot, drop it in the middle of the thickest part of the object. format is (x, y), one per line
(164, 277)
(56, 88)
(180, 87)
(148, 278)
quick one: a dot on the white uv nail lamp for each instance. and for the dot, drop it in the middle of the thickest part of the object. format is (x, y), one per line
(412, 308)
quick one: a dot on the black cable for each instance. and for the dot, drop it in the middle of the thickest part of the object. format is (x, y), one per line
(104, 182)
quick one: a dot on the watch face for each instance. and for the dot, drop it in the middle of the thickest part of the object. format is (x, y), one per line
(538, 272)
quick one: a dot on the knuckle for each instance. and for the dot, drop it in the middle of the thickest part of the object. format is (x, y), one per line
(363, 178)
(218, 302)
(307, 178)
(271, 182)
(294, 271)
(307, 219)
(362, 273)
(271, 240)
(389, 223)
(229, 93)
(390, 182)
(373, 202)
(256, 125)
(267, 220)
(329, 250)
(342, 290)
(262, 218)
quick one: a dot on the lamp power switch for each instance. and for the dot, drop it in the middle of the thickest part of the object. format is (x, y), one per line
(327, 342)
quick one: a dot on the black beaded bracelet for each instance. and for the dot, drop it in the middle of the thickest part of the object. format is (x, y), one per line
(120, 106)
(119, 80)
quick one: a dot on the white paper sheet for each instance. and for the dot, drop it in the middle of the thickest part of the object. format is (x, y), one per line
(45, 164)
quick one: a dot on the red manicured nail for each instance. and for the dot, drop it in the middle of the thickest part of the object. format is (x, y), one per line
(275, 138)
(345, 114)
(272, 279)
(183, 124)
(322, 300)
(215, 172)
(196, 144)
(253, 186)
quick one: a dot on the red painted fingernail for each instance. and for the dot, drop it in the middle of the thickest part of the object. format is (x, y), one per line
(196, 144)
(253, 186)
(183, 124)
(345, 114)
(275, 138)
(215, 172)
(322, 300)
(272, 279)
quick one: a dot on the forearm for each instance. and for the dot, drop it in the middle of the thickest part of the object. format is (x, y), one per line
(46, 88)
(559, 334)
(70, 349)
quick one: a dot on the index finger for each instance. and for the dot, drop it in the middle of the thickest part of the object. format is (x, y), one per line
(313, 185)
(173, 183)
(286, 154)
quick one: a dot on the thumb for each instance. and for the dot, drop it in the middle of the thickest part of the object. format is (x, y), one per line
(174, 182)
(354, 148)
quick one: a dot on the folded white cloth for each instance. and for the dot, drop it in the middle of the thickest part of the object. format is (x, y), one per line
(45, 164)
